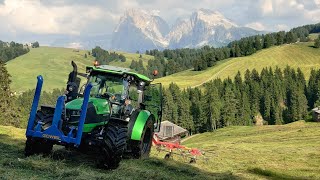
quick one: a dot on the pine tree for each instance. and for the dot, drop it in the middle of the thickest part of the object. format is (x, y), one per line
(167, 105)
(212, 106)
(257, 43)
(245, 110)
(297, 107)
(197, 110)
(174, 90)
(229, 107)
(266, 107)
(9, 114)
(268, 41)
(317, 42)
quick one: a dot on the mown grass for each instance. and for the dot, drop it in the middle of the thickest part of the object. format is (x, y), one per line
(274, 152)
(296, 55)
(268, 152)
(54, 64)
(72, 165)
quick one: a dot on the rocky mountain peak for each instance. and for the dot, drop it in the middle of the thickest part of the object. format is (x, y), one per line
(140, 30)
(211, 18)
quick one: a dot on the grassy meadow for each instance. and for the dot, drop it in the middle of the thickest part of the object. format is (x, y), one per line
(54, 64)
(296, 55)
(289, 151)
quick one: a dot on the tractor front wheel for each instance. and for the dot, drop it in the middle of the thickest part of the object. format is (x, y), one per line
(113, 146)
(37, 146)
(142, 148)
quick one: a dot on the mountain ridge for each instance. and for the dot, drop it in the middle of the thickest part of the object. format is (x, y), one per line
(140, 30)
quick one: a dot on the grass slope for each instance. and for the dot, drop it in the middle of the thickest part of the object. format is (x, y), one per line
(71, 165)
(289, 151)
(54, 65)
(295, 55)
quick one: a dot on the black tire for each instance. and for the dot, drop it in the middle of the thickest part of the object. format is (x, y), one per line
(192, 160)
(167, 156)
(37, 146)
(114, 145)
(142, 148)
(32, 147)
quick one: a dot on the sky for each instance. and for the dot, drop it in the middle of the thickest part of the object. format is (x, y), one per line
(20, 18)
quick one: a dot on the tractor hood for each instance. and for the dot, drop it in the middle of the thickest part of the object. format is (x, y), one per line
(101, 105)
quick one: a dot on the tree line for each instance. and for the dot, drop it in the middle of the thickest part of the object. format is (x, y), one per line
(105, 57)
(273, 96)
(11, 50)
(176, 60)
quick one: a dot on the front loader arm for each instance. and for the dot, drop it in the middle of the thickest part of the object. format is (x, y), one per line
(53, 132)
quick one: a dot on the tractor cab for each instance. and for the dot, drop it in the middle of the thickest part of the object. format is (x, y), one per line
(116, 92)
(113, 110)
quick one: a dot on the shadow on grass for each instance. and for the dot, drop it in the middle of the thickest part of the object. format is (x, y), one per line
(273, 175)
(71, 164)
(312, 46)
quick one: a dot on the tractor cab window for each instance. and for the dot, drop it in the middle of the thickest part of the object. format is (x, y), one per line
(108, 86)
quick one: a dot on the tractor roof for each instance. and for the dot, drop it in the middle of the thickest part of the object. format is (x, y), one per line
(118, 71)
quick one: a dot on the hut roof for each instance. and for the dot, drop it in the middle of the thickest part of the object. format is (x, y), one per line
(316, 109)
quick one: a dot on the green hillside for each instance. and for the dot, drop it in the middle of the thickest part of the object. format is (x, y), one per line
(275, 152)
(54, 65)
(295, 55)
(267, 152)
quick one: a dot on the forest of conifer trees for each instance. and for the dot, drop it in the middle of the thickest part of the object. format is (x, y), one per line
(273, 95)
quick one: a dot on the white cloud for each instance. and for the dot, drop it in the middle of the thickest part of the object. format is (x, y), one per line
(71, 17)
(256, 25)
(314, 15)
(32, 16)
(267, 7)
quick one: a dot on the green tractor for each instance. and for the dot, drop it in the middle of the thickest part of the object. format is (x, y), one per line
(114, 113)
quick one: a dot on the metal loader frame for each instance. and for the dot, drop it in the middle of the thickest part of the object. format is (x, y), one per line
(54, 133)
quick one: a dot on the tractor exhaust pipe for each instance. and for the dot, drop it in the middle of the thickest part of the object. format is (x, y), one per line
(74, 73)
(73, 83)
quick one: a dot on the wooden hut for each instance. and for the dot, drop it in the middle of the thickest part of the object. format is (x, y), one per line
(171, 132)
(316, 114)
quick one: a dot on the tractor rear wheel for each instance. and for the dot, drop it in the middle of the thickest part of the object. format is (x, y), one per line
(113, 146)
(142, 148)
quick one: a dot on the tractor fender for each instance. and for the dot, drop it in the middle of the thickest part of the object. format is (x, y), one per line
(137, 123)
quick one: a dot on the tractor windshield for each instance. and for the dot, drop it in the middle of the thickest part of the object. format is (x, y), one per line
(108, 86)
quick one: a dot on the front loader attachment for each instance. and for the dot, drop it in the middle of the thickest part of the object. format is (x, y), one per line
(54, 132)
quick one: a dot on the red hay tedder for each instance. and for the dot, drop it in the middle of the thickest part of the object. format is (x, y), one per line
(175, 148)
